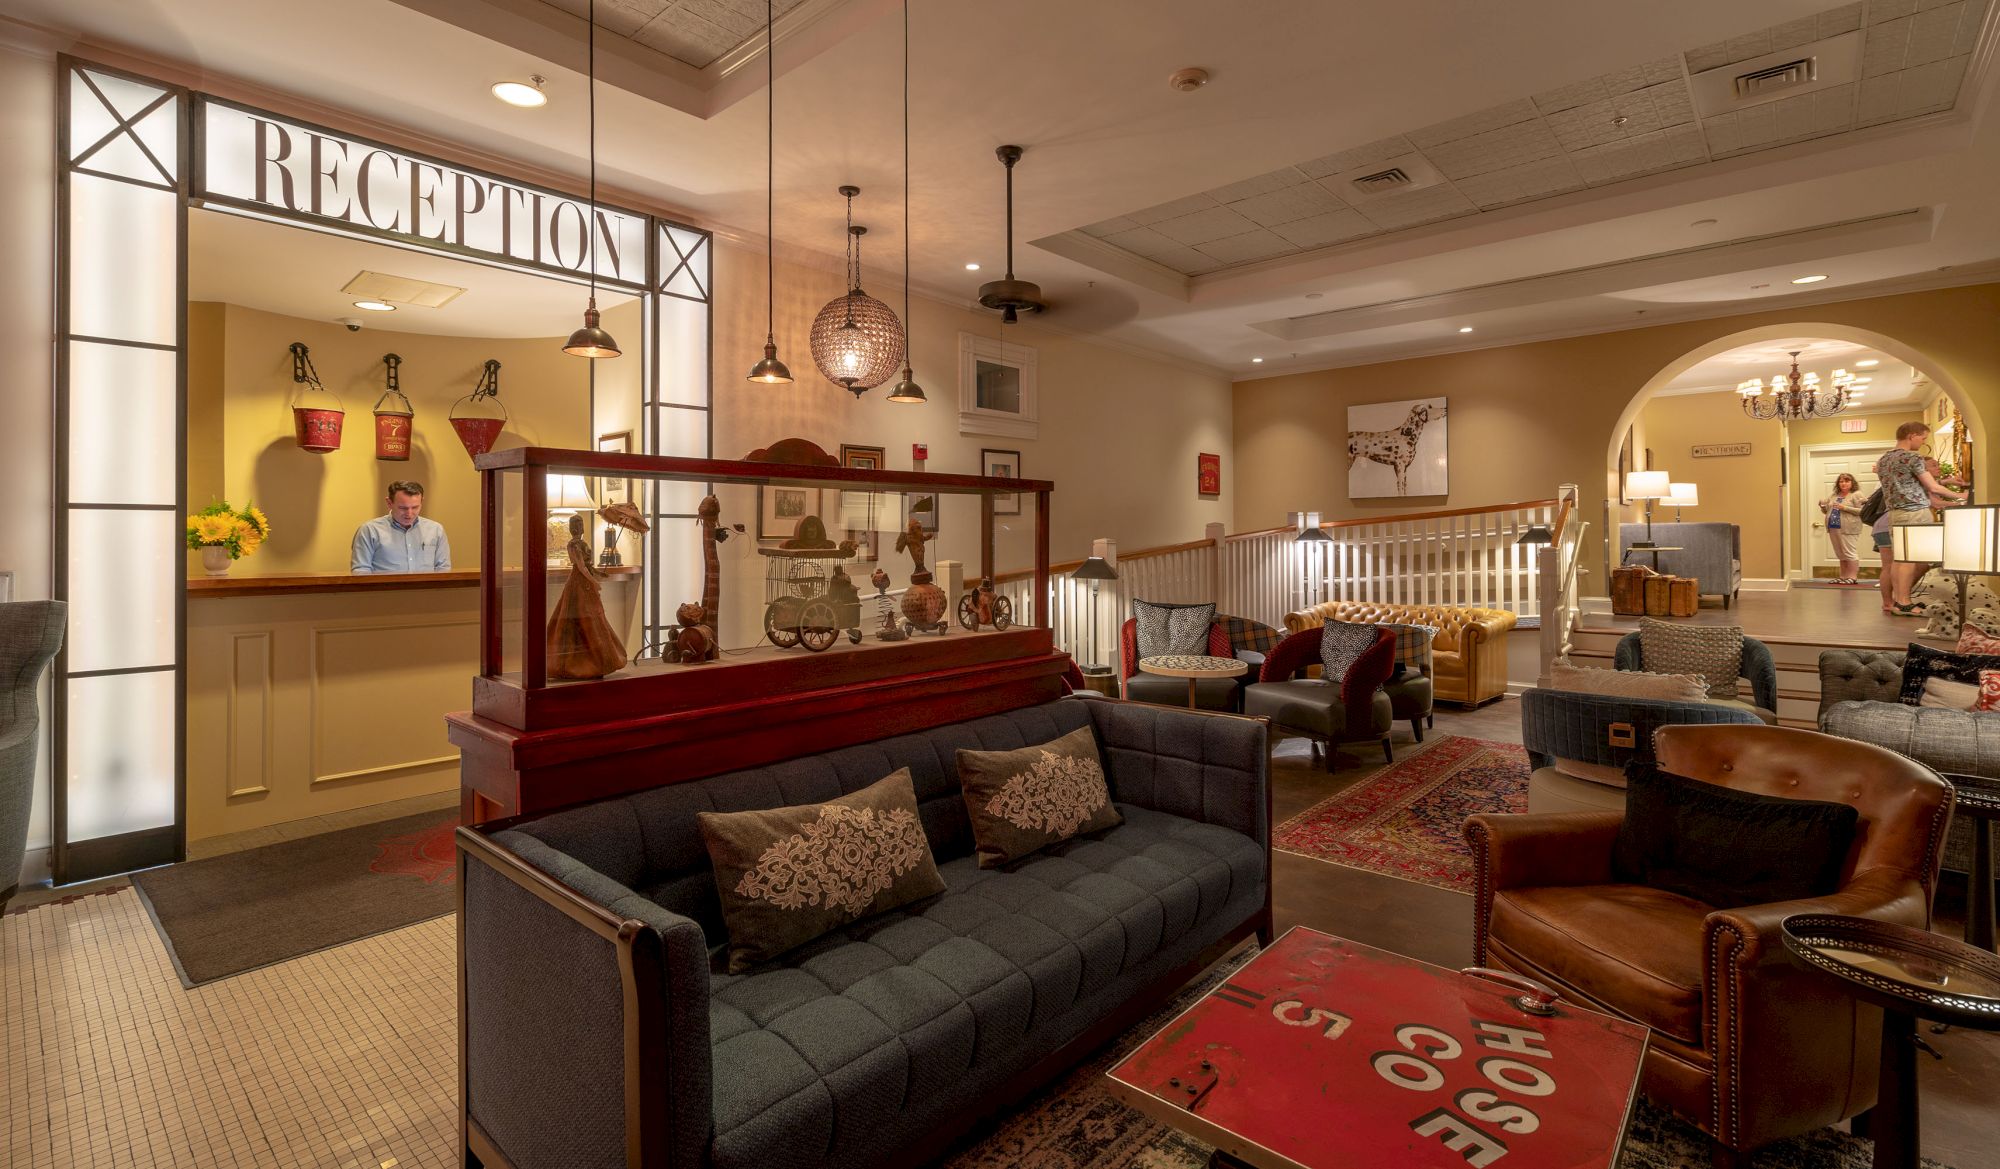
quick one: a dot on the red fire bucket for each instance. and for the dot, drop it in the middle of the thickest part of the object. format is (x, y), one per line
(318, 427)
(472, 416)
(392, 428)
(478, 434)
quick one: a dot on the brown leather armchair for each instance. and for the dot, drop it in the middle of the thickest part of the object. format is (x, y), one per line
(1468, 655)
(1746, 1044)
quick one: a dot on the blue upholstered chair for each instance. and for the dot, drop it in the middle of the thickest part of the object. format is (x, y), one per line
(1758, 666)
(1579, 744)
(1710, 553)
(30, 634)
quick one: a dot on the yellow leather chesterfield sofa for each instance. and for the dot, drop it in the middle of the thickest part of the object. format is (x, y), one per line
(1468, 655)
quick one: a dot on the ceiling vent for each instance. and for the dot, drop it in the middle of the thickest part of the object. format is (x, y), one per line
(1410, 172)
(401, 290)
(1800, 69)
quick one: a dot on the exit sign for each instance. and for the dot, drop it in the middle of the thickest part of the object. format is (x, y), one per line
(1853, 425)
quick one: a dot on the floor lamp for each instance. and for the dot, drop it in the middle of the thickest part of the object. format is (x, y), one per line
(1310, 537)
(1096, 570)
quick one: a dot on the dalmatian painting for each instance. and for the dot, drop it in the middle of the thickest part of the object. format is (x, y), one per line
(1396, 448)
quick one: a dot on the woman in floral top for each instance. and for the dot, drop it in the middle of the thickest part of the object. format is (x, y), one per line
(1907, 490)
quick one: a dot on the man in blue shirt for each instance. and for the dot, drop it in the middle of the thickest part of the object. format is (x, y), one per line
(402, 541)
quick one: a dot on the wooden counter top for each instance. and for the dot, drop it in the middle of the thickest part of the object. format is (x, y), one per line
(284, 584)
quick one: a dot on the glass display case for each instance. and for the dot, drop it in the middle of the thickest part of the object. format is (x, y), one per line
(635, 586)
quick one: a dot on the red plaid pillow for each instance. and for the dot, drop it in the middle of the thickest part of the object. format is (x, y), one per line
(1973, 641)
(1989, 690)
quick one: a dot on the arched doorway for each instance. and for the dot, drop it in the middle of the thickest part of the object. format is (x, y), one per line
(1762, 476)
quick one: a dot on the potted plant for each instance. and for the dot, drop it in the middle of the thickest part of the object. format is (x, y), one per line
(225, 534)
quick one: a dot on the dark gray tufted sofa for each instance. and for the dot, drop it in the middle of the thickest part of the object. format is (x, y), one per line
(1860, 697)
(597, 1030)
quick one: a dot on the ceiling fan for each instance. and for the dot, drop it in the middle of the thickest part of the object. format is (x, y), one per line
(1010, 296)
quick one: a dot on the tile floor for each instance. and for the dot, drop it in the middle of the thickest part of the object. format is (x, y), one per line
(347, 1058)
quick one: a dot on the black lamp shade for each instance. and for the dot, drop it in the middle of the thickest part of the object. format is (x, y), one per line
(1095, 568)
(770, 371)
(907, 390)
(591, 341)
(1537, 534)
(1312, 535)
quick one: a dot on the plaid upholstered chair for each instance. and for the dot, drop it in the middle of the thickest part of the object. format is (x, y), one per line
(1238, 637)
(1409, 687)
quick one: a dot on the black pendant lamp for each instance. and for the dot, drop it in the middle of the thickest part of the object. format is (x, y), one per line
(1012, 297)
(770, 371)
(591, 340)
(906, 391)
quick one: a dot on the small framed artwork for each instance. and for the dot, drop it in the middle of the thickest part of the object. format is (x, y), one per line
(925, 509)
(609, 491)
(865, 458)
(1002, 465)
(862, 512)
(780, 508)
(1208, 474)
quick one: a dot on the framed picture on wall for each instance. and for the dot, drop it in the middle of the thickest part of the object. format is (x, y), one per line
(1624, 464)
(866, 458)
(1397, 449)
(1208, 474)
(1002, 465)
(780, 508)
(863, 514)
(608, 491)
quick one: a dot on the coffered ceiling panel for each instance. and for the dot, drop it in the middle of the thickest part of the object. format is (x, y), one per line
(694, 32)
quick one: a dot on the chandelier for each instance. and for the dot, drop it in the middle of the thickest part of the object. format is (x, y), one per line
(857, 342)
(1794, 396)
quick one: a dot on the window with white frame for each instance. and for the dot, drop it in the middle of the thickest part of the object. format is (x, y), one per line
(996, 388)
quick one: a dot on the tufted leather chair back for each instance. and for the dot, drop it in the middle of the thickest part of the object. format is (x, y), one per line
(1904, 806)
(1449, 620)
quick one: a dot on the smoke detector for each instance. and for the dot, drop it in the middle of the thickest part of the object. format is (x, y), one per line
(1188, 80)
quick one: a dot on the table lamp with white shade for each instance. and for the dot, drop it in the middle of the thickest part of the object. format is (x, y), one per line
(568, 495)
(1649, 486)
(1680, 495)
(1968, 545)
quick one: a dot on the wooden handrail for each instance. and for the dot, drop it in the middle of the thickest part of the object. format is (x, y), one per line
(1562, 518)
(1397, 519)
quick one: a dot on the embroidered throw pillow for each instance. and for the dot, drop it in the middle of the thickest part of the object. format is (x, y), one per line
(788, 875)
(1172, 629)
(1413, 649)
(1712, 652)
(1989, 690)
(1974, 641)
(1922, 663)
(1626, 683)
(1029, 798)
(1340, 643)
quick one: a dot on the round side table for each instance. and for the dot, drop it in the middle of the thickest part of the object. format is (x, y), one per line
(1911, 974)
(1979, 801)
(1193, 667)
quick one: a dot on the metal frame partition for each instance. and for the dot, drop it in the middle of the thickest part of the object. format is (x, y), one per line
(134, 155)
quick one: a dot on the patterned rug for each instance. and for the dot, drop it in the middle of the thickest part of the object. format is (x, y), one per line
(1404, 820)
(1075, 1123)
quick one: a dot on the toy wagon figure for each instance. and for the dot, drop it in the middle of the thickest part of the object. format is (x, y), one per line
(982, 606)
(809, 598)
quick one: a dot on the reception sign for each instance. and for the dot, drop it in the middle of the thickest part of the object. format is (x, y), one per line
(261, 162)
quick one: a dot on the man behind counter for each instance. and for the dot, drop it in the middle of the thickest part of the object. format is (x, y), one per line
(402, 541)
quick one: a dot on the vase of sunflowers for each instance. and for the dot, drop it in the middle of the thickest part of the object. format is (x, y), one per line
(225, 534)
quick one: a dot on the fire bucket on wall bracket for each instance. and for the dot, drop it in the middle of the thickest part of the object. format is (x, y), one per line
(315, 423)
(393, 416)
(474, 416)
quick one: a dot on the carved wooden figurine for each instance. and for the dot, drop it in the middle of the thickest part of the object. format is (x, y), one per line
(581, 642)
(695, 640)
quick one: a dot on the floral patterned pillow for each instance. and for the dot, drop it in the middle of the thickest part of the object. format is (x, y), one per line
(1027, 799)
(1989, 691)
(788, 875)
(1972, 641)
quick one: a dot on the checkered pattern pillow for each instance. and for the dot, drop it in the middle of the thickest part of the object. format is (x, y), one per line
(1413, 649)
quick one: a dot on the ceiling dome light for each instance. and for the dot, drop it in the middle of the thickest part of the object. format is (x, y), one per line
(1808, 279)
(375, 306)
(972, 267)
(1256, 361)
(527, 95)
(1465, 328)
(1868, 363)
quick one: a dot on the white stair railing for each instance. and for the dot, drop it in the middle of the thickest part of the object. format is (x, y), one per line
(1560, 568)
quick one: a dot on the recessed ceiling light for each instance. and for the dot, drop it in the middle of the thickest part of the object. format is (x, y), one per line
(1702, 223)
(1755, 287)
(1465, 328)
(972, 267)
(375, 306)
(1868, 363)
(528, 94)
(1808, 279)
(1314, 295)
(1256, 361)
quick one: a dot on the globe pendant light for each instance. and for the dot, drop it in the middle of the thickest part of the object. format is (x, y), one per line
(770, 371)
(906, 391)
(592, 340)
(1009, 295)
(857, 342)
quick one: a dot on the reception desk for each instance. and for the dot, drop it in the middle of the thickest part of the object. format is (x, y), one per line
(310, 695)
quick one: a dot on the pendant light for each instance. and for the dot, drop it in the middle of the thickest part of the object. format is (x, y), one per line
(857, 342)
(770, 371)
(591, 340)
(1011, 296)
(907, 391)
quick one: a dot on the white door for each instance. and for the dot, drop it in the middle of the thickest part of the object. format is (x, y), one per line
(1819, 470)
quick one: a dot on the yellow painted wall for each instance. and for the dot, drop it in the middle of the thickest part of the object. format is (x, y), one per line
(316, 501)
(1525, 418)
(1880, 434)
(1737, 489)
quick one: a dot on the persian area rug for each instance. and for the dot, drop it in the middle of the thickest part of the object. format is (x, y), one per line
(1075, 1123)
(1405, 819)
(227, 914)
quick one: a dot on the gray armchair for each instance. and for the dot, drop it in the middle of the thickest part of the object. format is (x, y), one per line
(30, 634)
(1711, 553)
(1579, 744)
(1758, 667)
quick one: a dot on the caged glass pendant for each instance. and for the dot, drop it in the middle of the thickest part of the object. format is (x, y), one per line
(857, 341)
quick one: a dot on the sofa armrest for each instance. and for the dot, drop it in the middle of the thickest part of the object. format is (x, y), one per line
(1516, 851)
(1492, 626)
(1294, 654)
(574, 991)
(1752, 935)
(1206, 766)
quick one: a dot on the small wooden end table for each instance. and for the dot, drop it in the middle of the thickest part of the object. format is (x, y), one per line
(1979, 801)
(1911, 974)
(1322, 1053)
(1193, 667)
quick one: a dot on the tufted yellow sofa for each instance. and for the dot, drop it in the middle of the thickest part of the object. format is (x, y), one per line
(1468, 655)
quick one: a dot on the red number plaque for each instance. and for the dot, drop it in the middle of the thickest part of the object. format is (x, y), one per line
(1322, 1052)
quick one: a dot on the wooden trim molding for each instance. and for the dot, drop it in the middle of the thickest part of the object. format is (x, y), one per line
(235, 769)
(316, 706)
(203, 587)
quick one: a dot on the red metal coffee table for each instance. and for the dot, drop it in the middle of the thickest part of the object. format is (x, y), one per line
(1322, 1052)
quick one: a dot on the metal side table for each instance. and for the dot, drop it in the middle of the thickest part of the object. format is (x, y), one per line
(1979, 801)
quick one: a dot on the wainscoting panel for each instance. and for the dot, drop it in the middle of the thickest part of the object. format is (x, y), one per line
(250, 739)
(373, 696)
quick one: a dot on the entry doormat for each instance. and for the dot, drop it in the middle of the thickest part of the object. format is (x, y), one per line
(227, 914)
(1076, 1123)
(1406, 819)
